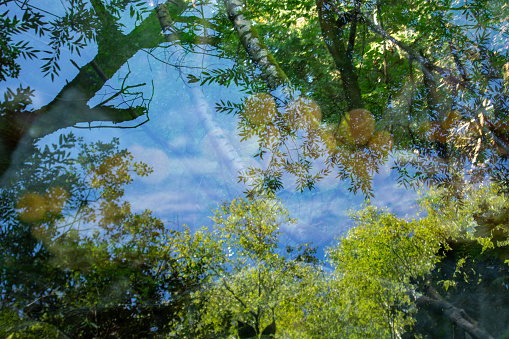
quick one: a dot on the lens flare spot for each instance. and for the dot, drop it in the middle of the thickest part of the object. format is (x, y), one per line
(381, 143)
(55, 199)
(329, 140)
(260, 108)
(357, 127)
(271, 135)
(31, 207)
(303, 112)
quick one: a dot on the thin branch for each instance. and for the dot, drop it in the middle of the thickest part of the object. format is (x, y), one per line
(445, 73)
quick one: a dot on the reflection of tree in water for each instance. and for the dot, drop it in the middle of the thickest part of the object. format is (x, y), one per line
(417, 122)
(75, 258)
(435, 114)
(293, 140)
(292, 137)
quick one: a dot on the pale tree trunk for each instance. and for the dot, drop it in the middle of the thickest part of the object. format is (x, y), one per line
(341, 52)
(218, 138)
(257, 51)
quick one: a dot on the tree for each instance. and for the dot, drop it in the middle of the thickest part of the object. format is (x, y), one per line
(376, 263)
(422, 96)
(424, 275)
(332, 88)
(434, 98)
(76, 261)
(254, 290)
(78, 27)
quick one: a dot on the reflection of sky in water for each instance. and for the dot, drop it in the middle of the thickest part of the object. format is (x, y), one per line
(189, 177)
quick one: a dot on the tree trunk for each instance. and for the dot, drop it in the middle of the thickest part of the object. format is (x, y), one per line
(257, 51)
(333, 37)
(220, 142)
(70, 107)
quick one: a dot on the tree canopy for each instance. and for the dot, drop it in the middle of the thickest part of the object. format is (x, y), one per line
(321, 91)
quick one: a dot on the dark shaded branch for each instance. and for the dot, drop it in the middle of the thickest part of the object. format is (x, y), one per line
(353, 29)
(69, 106)
(345, 18)
(456, 315)
(332, 35)
(459, 65)
(24, 127)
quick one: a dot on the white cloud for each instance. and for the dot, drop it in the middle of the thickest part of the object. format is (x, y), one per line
(154, 158)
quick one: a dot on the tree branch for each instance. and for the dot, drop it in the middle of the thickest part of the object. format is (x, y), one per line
(332, 35)
(257, 51)
(456, 315)
(445, 73)
(353, 30)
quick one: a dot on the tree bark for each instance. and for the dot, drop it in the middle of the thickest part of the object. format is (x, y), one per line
(445, 73)
(333, 37)
(257, 51)
(220, 142)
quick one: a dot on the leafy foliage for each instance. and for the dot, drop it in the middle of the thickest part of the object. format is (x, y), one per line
(421, 82)
(253, 288)
(377, 263)
(16, 102)
(389, 268)
(74, 257)
(12, 50)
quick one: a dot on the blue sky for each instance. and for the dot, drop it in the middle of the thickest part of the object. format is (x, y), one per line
(190, 178)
